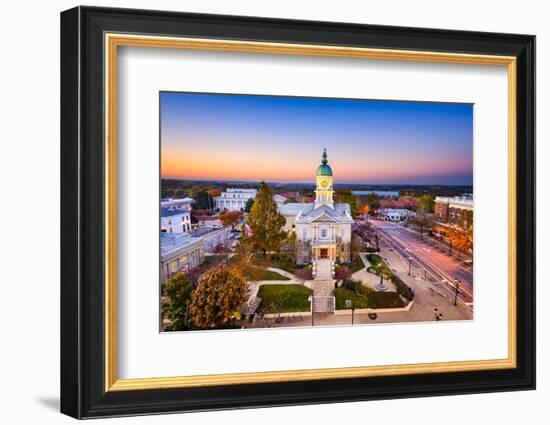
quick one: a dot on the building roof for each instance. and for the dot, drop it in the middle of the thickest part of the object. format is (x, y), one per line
(171, 202)
(169, 212)
(296, 207)
(205, 231)
(338, 213)
(308, 212)
(171, 242)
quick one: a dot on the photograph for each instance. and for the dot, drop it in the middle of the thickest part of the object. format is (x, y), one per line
(280, 211)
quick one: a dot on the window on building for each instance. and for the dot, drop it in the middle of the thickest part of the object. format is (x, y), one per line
(304, 234)
(324, 233)
(173, 267)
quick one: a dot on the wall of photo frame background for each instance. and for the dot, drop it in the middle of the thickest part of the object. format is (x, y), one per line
(29, 172)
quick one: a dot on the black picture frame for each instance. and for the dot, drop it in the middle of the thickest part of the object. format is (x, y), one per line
(83, 392)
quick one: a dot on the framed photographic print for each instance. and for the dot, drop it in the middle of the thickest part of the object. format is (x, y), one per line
(261, 212)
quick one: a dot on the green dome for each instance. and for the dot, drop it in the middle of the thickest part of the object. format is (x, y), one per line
(324, 169)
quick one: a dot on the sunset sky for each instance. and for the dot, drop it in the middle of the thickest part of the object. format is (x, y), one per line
(245, 137)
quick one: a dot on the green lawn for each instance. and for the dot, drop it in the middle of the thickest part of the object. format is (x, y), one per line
(356, 265)
(343, 294)
(277, 262)
(378, 265)
(269, 275)
(283, 298)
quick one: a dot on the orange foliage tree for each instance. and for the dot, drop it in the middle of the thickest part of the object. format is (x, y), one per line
(231, 218)
(217, 298)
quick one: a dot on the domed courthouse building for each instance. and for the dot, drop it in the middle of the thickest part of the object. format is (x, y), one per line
(323, 228)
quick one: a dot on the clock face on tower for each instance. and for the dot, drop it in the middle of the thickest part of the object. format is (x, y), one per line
(324, 184)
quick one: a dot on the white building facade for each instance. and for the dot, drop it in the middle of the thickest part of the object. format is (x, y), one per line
(179, 253)
(175, 215)
(213, 237)
(323, 228)
(234, 199)
(396, 214)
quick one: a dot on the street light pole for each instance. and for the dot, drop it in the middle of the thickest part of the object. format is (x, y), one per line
(457, 285)
(410, 264)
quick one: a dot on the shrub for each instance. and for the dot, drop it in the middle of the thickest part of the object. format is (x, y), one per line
(350, 284)
(402, 288)
(384, 300)
(343, 273)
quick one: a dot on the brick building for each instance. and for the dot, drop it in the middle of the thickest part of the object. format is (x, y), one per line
(457, 210)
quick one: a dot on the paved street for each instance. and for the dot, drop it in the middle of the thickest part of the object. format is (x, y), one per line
(429, 260)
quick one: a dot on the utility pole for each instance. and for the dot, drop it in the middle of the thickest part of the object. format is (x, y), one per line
(457, 285)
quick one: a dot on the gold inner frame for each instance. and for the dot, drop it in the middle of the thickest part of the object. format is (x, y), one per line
(113, 41)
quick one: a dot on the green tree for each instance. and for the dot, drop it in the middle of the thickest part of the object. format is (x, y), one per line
(248, 205)
(203, 201)
(178, 290)
(426, 203)
(217, 299)
(346, 197)
(373, 203)
(265, 222)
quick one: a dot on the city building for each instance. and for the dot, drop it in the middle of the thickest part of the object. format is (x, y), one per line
(175, 215)
(396, 214)
(179, 253)
(234, 199)
(457, 210)
(323, 227)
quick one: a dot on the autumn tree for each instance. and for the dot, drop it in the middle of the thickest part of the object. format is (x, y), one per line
(217, 298)
(214, 192)
(230, 218)
(289, 246)
(265, 222)
(242, 263)
(460, 239)
(178, 290)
